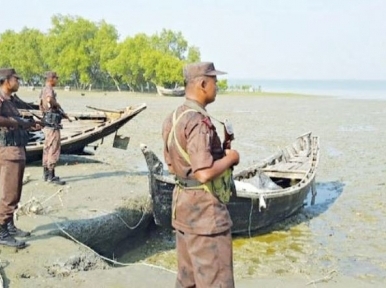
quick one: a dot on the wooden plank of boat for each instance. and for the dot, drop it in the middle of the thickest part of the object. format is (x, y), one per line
(280, 192)
(106, 110)
(71, 114)
(290, 174)
(111, 114)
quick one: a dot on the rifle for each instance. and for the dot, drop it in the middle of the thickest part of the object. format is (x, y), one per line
(228, 134)
(64, 114)
(24, 123)
(41, 119)
(43, 122)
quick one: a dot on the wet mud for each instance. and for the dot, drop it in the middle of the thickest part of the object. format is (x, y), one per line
(341, 234)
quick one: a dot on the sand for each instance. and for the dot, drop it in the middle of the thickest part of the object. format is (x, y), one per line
(339, 242)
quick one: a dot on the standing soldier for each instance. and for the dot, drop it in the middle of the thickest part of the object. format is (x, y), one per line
(52, 115)
(13, 139)
(194, 153)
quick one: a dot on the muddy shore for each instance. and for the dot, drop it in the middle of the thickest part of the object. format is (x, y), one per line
(338, 242)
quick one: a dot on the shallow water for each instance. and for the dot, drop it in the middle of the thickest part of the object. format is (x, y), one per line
(270, 251)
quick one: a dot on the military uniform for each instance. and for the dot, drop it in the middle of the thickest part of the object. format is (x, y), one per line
(51, 149)
(201, 219)
(12, 164)
(13, 139)
(52, 115)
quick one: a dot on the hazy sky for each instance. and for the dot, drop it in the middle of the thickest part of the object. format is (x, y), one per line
(266, 39)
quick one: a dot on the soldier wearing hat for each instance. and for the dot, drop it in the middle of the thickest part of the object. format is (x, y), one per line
(13, 139)
(194, 153)
(52, 115)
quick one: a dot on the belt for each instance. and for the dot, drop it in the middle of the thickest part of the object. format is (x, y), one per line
(185, 182)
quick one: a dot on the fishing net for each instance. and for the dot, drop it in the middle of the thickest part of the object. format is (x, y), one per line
(262, 182)
(104, 232)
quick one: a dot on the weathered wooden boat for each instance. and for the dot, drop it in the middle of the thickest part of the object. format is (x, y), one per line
(266, 192)
(179, 91)
(86, 128)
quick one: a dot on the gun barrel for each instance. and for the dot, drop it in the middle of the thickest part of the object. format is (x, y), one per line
(228, 130)
(228, 133)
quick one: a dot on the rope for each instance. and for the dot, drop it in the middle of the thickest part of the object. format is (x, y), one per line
(140, 220)
(89, 248)
(250, 219)
(103, 257)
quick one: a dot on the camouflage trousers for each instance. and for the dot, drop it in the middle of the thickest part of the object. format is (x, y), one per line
(11, 182)
(51, 149)
(204, 260)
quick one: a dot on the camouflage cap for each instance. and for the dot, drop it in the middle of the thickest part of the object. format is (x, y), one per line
(198, 69)
(7, 72)
(50, 74)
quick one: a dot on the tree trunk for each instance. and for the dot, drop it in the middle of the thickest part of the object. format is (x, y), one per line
(130, 88)
(116, 84)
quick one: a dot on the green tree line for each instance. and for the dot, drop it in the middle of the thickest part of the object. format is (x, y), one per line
(89, 54)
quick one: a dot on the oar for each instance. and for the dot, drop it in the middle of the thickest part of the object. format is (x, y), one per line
(105, 110)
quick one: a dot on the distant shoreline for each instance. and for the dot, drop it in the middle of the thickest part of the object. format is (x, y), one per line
(25, 91)
(348, 89)
(265, 94)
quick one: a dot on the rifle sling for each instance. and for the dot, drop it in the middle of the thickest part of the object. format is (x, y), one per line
(193, 105)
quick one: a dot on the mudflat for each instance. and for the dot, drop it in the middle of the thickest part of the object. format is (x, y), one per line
(338, 242)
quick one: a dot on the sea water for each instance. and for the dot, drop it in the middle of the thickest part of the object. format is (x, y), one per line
(348, 89)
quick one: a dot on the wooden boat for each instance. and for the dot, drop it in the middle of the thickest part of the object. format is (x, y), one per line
(266, 193)
(86, 128)
(180, 91)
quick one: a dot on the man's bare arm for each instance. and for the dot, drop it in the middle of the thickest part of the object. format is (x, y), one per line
(230, 159)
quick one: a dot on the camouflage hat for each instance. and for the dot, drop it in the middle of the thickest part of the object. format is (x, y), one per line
(7, 72)
(198, 69)
(51, 74)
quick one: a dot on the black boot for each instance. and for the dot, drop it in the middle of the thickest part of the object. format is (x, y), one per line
(8, 240)
(16, 232)
(45, 173)
(54, 179)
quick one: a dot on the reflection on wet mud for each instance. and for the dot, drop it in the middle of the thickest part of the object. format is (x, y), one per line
(327, 193)
(281, 249)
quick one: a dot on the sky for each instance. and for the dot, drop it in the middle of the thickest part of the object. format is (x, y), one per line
(249, 39)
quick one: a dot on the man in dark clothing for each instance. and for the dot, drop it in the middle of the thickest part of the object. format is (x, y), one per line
(13, 139)
(52, 114)
(194, 153)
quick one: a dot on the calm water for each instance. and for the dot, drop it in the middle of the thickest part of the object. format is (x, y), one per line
(352, 89)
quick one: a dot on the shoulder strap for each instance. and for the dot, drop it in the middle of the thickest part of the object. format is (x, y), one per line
(172, 134)
(193, 105)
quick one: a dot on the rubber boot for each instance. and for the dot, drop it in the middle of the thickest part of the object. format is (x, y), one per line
(45, 173)
(54, 179)
(16, 232)
(7, 239)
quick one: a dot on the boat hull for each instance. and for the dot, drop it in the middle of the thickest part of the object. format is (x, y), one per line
(178, 92)
(74, 141)
(250, 211)
(244, 212)
(247, 216)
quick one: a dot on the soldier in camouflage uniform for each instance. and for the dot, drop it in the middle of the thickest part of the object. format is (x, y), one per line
(13, 139)
(52, 115)
(194, 153)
